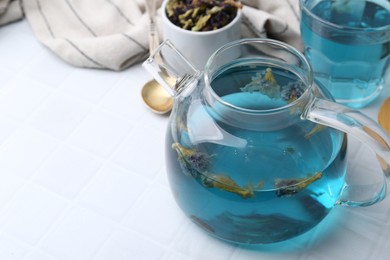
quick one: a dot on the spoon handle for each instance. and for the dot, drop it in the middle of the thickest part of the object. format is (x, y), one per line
(154, 41)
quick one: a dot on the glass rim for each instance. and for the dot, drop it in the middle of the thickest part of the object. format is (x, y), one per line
(270, 42)
(347, 29)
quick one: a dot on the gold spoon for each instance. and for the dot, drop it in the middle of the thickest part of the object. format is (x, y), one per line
(153, 94)
(156, 98)
(384, 115)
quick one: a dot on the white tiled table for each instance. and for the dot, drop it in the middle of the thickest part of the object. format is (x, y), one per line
(82, 173)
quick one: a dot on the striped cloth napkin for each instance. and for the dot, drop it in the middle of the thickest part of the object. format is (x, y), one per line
(112, 34)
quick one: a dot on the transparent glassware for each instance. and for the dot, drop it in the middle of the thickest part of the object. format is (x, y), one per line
(255, 150)
(347, 43)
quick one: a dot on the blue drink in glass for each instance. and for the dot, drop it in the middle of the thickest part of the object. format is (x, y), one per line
(347, 43)
(254, 208)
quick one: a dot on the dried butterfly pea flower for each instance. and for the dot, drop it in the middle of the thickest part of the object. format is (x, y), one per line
(292, 91)
(226, 183)
(196, 164)
(289, 187)
(265, 83)
(202, 15)
(193, 163)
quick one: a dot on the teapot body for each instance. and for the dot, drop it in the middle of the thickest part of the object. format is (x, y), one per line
(251, 184)
(255, 149)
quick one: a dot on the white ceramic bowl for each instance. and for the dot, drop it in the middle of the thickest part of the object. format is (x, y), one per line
(197, 47)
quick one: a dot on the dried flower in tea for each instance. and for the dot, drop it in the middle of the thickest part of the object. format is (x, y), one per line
(269, 76)
(196, 164)
(265, 83)
(315, 130)
(192, 162)
(289, 150)
(292, 91)
(202, 15)
(226, 183)
(288, 187)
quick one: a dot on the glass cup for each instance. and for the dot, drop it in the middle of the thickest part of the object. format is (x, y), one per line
(347, 43)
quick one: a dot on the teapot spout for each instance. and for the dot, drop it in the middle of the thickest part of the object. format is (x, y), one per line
(171, 69)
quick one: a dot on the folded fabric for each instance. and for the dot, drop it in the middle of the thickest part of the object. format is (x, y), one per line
(112, 34)
(10, 11)
(275, 19)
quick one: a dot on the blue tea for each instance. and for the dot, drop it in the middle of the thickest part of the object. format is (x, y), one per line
(247, 184)
(348, 46)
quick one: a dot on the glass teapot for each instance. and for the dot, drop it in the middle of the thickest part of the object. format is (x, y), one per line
(255, 150)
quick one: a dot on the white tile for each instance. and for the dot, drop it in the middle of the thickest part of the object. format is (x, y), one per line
(17, 41)
(40, 255)
(382, 249)
(363, 168)
(163, 177)
(156, 210)
(25, 150)
(140, 72)
(142, 152)
(9, 184)
(171, 255)
(11, 249)
(344, 233)
(30, 213)
(193, 242)
(101, 132)
(5, 75)
(78, 236)
(124, 100)
(20, 96)
(157, 122)
(7, 127)
(59, 116)
(264, 253)
(354, 147)
(67, 171)
(314, 256)
(20, 27)
(113, 191)
(124, 245)
(89, 85)
(55, 69)
(288, 249)
(379, 212)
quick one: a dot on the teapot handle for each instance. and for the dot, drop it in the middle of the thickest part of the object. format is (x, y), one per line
(171, 69)
(366, 130)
